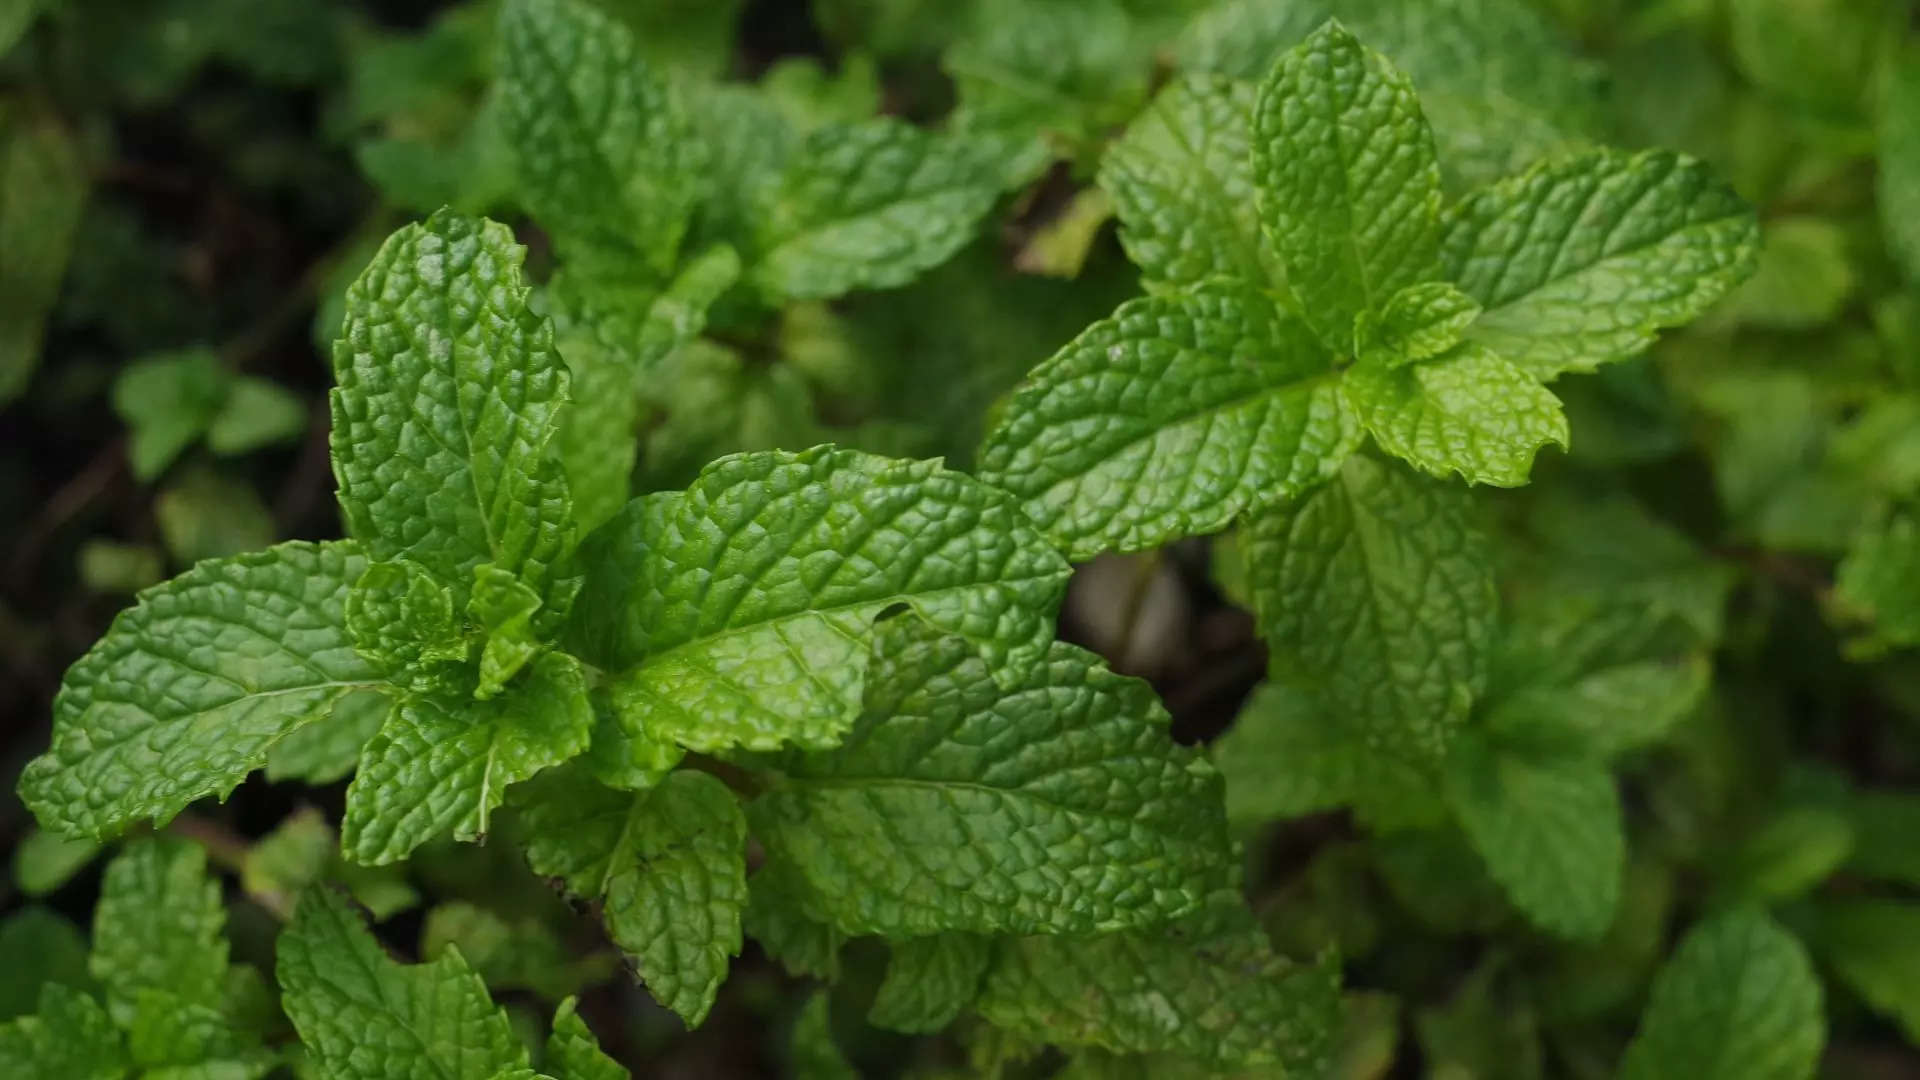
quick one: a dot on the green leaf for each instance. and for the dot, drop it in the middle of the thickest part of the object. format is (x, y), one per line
(70, 1038)
(1417, 323)
(1606, 712)
(1580, 260)
(608, 161)
(402, 619)
(1210, 987)
(502, 607)
(776, 917)
(1874, 947)
(754, 592)
(1802, 278)
(1172, 417)
(44, 861)
(1182, 184)
(1738, 1000)
(363, 1016)
(868, 206)
(1884, 825)
(1549, 827)
(174, 1039)
(1376, 591)
(449, 390)
(328, 749)
(1879, 580)
(442, 761)
(41, 948)
(256, 413)
(1470, 412)
(598, 436)
(1899, 179)
(574, 1054)
(666, 866)
(43, 185)
(160, 926)
(930, 980)
(301, 851)
(1788, 854)
(192, 686)
(1052, 804)
(1347, 181)
(814, 1055)
(208, 515)
(168, 401)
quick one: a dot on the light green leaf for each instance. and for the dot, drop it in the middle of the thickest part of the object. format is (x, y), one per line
(1899, 179)
(574, 1054)
(930, 980)
(598, 436)
(1170, 418)
(402, 619)
(329, 748)
(1549, 827)
(754, 592)
(168, 400)
(1210, 987)
(666, 866)
(160, 926)
(502, 607)
(1738, 1000)
(1879, 580)
(449, 390)
(1874, 946)
(1580, 260)
(44, 861)
(1417, 323)
(1802, 278)
(776, 917)
(363, 1016)
(608, 162)
(257, 412)
(301, 851)
(70, 1038)
(43, 185)
(443, 761)
(174, 1039)
(1347, 181)
(1182, 184)
(1052, 804)
(1470, 412)
(193, 685)
(869, 206)
(1605, 712)
(1377, 592)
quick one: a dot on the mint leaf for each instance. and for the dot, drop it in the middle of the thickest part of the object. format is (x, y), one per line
(1738, 999)
(449, 389)
(170, 1037)
(1209, 987)
(1874, 947)
(754, 591)
(1469, 412)
(1549, 828)
(1605, 712)
(159, 926)
(43, 186)
(666, 866)
(813, 1054)
(868, 206)
(302, 851)
(1899, 180)
(1376, 591)
(41, 948)
(1879, 579)
(401, 618)
(442, 761)
(256, 412)
(1182, 185)
(1417, 323)
(1580, 260)
(329, 748)
(167, 401)
(44, 861)
(70, 1038)
(362, 1016)
(776, 916)
(1347, 180)
(193, 685)
(607, 160)
(929, 981)
(1172, 417)
(574, 1054)
(502, 607)
(1054, 803)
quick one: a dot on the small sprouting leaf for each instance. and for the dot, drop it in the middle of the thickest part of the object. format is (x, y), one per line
(1417, 323)
(402, 619)
(1738, 1000)
(502, 607)
(930, 980)
(574, 1054)
(1470, 412)
(1579, 261)
(667, 867)
(1347, 179)
(192, 686)
(362, 1016)
(1171, 418)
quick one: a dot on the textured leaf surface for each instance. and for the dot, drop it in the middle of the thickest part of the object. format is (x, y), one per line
(1549, 828)
(608, 162)
(667, 867)
(449, 389)
(328, 749)
(442, 761)
(1377, 592)
(1168, 419)
(869, 206)
(1210, 987)
(1182, 184)
(777, 903)
(756, 590)
(364, 1017)
(70, 1038)
(159, 926)
(1580, 260)
(1053, 804)
(1470, 412)
(930, 980)
(574, 1054)
(193, 685)
(1738, 1000)
(1417, 323)
(1348, 183)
